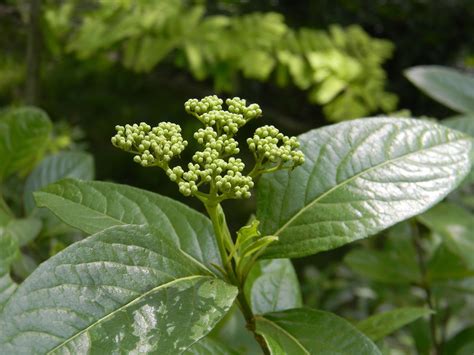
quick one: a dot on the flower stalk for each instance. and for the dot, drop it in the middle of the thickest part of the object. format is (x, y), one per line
(215, 174)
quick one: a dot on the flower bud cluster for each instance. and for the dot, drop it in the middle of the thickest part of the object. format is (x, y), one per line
(152, 146)
(215, 165)
(271, 146)
(209, 111)
(211, 166)
(207, 104)
(239, 106)
(229, 182)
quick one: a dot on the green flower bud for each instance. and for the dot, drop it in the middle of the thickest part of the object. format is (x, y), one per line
(215, 164)
(271, 146)
(156, 146)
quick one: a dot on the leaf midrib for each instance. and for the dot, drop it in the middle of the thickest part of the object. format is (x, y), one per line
(105, 216)
(352, 178)
(276, 326)
(130, 303)
(101, 214)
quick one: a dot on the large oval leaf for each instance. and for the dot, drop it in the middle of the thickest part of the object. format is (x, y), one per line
(24, 134)
(127, 289)
(359, 178)
(272, 285)
(92, 206)
(77, 165)
(308, 331)
(448, 86)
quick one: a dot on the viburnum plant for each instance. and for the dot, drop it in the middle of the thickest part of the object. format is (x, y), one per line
(157, 277)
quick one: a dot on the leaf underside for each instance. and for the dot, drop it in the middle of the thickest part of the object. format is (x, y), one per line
(451, 87)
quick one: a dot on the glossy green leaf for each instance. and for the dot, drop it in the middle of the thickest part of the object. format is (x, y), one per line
(456, 226)
(24, 230)
(125, 289)
(77, 165)
(8, 252)
(23, 139)
(92, 206)
(272, 286)
(450, 87)
(380, 325)
(359, 178)
(309, 331)
(462, 343)
(209, 346)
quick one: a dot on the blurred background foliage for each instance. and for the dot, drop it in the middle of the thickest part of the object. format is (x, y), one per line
(92, 64)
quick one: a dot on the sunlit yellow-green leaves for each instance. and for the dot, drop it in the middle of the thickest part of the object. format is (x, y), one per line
(341, 68)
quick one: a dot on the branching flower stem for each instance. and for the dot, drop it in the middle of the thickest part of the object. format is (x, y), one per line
(227, 248)
(214, 174)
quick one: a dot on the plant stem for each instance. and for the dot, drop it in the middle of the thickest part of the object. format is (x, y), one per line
(425, 285)
(222, 235)
(226, 246)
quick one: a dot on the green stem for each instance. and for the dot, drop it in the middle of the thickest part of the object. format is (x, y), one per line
(226, 247)
(224, 240)
(250, 320)
(425, 285)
